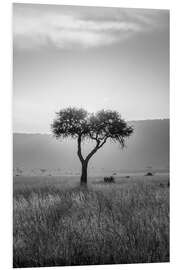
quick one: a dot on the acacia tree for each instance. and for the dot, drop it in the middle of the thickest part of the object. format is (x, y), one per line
(100, 127)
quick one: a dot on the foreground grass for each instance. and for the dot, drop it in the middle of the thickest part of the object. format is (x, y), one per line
(126, 222)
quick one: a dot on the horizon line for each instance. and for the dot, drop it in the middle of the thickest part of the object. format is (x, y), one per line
(48, 133)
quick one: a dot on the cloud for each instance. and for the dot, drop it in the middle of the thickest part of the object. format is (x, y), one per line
(35, 27)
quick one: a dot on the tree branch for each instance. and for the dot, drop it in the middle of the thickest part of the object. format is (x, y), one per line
(97, 147)
(92, 137)
(93, 151)
(104, 141)
(79, 149)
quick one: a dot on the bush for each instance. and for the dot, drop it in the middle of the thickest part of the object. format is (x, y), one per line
(148, 174)
(109, 179)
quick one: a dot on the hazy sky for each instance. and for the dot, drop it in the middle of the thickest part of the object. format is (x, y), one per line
(95, 58)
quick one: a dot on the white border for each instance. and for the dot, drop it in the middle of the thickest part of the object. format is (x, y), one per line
(6, 126)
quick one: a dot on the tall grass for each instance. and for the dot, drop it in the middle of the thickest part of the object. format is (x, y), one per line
(104, 224)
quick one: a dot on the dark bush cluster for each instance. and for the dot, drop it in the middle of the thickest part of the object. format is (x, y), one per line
(149, 174)
(109, 179)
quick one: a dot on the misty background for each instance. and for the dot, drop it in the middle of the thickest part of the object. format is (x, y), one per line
(147, 150)
(95, 58)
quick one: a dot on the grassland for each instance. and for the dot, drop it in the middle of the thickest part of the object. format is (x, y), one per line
(58, 223)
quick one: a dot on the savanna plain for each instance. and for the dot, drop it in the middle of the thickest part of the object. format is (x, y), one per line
(57, 222)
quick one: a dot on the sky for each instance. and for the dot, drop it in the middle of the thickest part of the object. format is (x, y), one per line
(90, 57)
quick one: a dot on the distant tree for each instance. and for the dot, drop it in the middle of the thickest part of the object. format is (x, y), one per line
(100, 127)
(43, 170)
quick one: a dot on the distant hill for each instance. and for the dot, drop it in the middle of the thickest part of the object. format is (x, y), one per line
(147, 147)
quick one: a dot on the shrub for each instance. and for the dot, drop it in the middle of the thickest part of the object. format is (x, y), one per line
(109, 179)
(148, 174)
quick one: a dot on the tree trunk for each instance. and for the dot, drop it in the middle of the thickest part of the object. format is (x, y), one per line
(84, 174)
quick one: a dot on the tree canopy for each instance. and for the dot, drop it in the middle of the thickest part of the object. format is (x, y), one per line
(73, 122)
(99, 127)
